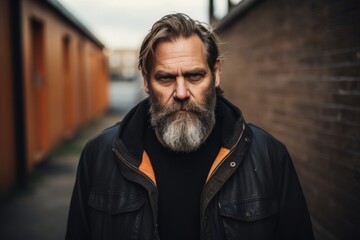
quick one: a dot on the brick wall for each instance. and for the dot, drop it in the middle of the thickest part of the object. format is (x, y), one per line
(293, 67)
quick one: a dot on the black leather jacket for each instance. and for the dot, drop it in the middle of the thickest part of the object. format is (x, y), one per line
(252, 191)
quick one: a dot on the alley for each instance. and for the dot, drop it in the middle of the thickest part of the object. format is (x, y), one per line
(40, 212)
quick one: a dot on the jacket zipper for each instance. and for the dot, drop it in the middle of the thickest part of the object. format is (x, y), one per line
(122, 159)
(218, 166)
(132, 167)
(231, 151)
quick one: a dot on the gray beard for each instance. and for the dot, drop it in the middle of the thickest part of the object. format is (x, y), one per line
(183, 126)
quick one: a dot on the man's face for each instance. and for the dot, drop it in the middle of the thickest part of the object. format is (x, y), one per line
(182, 94)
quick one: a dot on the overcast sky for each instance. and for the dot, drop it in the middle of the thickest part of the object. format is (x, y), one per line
(124, 23)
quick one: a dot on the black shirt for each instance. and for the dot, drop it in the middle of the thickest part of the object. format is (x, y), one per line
(180, 178)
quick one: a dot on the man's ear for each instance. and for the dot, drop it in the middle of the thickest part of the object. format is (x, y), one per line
(146, 85)
(217, 70)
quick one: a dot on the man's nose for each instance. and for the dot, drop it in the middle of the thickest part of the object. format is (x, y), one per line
(181, 92)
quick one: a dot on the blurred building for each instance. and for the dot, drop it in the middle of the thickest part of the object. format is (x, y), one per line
(53, 77)
(126, 86)
(293, 67)
(123, 65)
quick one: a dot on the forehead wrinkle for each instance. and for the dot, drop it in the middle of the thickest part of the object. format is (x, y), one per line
(178, 63)
(180, 52)
(182, 56)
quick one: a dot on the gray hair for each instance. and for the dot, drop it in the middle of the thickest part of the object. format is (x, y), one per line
(170, 28)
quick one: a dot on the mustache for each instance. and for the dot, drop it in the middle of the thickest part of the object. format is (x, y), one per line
(177, 106)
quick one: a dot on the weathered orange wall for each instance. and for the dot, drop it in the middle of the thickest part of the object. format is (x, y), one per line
(72, 96)
(7, 148)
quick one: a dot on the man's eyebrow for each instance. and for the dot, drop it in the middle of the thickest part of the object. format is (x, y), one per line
(196, 70)
(161, 73)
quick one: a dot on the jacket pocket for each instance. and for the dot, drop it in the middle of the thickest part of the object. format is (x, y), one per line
(252, 218)
(115, 215)
(114, 203)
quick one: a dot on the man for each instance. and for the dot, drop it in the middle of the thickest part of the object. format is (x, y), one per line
(183, 164)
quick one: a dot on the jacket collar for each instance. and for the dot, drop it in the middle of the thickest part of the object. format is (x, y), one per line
(129, 139)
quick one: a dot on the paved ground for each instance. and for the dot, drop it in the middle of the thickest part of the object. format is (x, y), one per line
(40, 212)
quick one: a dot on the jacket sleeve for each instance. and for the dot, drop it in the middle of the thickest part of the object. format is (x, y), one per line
(77, 224)
(294, 220)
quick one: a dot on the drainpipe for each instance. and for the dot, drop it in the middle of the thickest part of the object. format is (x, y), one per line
(18, 94)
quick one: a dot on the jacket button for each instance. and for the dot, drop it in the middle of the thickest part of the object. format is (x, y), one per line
(232, 164)
(248, 214)
(247, 139)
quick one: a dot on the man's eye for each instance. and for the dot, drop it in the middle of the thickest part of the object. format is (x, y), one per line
(165, 78)
(194, 76)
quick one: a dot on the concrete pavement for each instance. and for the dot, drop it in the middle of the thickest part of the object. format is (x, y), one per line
(40, 212)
